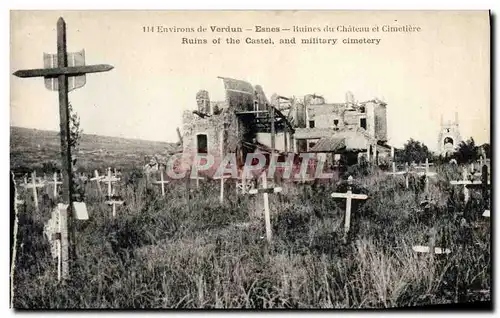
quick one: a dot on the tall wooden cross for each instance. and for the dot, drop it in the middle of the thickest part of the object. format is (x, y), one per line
(349, 196)
(265, 191)
(62, 73)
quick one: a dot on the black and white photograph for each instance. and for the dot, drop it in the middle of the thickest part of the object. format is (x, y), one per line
(294, 159)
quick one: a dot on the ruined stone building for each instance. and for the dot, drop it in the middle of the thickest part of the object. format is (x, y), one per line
(352, 129)
(246, 121)
(241, 124)
(449, 136)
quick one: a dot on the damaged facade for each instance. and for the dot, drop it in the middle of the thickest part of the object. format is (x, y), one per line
(352, 129)
(247, 122)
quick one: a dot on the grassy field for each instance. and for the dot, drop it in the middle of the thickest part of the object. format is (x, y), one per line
(186, 250)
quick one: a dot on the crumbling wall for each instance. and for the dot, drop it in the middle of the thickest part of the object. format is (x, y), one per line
(212, 126)
(380, 122)
(203, 101)
(324, 115)
(370, 118)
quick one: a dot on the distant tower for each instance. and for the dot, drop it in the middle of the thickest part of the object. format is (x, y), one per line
(349, 100)
(203, 101)
(449, 136)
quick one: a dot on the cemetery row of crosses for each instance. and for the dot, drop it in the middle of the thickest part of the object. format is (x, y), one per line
(349, 137)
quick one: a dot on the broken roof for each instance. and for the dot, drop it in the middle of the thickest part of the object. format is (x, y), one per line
(329, 144)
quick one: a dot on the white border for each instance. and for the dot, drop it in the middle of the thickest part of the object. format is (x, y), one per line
(212, 5)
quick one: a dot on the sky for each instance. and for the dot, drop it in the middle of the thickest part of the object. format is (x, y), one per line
(421, 76)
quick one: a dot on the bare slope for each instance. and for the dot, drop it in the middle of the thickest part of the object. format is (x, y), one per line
(40, 149)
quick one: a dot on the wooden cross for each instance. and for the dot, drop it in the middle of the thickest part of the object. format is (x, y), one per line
(265, 191)
(55, 182)
(82, 177)
(34, 185)
(114, 201)
(111, 198)
(162, 183)
(465, 181)
(197, 178)
(110, 180)
(394, 173)
(63, 72)
(484, 183)
(427, 174)
(222, 178)
(349, 196)
(97, 179)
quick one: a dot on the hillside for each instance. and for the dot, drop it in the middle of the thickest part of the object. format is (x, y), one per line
(40, 149)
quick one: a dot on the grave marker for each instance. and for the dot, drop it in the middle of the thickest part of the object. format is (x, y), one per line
(427, 249)
(197, 178)
(465, 181)
(427, 174)
(55, 182)
(394, 173)
(349, 196)
(265, 191)
(432, 249)
(97, 179)
(57, 233)
(34, 185)
(112, 199)
(222, 178)
(80, 211)
(162, 182)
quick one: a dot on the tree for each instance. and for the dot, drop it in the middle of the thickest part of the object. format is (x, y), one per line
(467, 151)
(487, 150)
(75, 132)
(413, 151)
(217, 110)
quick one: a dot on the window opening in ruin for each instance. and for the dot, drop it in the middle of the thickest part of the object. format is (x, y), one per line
(448, 140)
(202, 143)
(362, 109)
(311, 124)
(362, 122)
(335, 123)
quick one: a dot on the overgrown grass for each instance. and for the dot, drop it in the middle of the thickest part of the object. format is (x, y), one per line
(186, 250)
